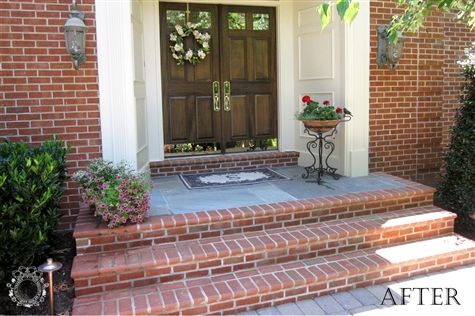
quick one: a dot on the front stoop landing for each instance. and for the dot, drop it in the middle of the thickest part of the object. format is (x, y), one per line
(234, 260)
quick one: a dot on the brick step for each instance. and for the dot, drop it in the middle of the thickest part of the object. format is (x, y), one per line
(93, 273)
(93, 237)
(230, 162)
(283, 283)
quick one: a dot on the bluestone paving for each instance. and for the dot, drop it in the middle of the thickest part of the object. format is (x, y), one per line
(346, 300)
(364, 296)
(329, 304)
(290, 309)
(170, 196)
(268, 311)
(310, 307)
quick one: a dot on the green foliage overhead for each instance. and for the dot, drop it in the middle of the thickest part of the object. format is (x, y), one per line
(457, 189)
(31, 186)
(413, 17)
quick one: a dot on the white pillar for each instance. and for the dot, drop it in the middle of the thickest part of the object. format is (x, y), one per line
(115, 67)
(357, 63)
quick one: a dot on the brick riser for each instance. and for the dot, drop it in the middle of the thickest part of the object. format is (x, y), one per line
(92, 237)
(217, 163)
(238, 252)
(273, 285)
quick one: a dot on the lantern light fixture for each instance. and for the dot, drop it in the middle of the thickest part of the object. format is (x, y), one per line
(75, 35)
(389, 53)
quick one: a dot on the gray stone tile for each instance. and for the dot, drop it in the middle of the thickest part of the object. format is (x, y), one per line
(159, 210)
(364, 309)
(365, 297)
(379, 291)
(329, 304)
(210, 200)
(310, 307)
(346, 300)
(289, 309)
(268, 311)
(171, 192)
(271, 194)
(248, 313)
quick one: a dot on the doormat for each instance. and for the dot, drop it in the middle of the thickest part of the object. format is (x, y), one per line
(229, 178)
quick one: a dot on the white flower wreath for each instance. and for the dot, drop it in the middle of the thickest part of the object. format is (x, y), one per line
(177, 38)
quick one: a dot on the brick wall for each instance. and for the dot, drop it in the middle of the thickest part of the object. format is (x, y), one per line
(412, 108)
(41, 94)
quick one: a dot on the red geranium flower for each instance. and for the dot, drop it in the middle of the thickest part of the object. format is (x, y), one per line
(306, 99)
(326, 102)
(339, 110)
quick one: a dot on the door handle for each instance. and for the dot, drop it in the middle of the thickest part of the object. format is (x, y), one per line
(227, 96)
(216, 100)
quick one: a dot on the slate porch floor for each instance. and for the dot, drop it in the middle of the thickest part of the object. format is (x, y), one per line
(170, 196)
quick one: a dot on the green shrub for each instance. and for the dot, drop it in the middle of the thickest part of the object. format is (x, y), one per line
(457, 189)
(31, 186)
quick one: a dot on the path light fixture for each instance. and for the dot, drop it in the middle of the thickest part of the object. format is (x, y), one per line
(49, 267)
(388, 53)
(75, 35)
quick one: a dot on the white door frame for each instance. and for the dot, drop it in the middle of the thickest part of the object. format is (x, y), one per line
(154, 86)
(115, 60)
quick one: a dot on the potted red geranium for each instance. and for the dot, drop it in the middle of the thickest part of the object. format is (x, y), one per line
(321, 118)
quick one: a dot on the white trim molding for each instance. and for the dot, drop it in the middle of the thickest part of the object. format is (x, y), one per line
(357, 63)
(115, 68)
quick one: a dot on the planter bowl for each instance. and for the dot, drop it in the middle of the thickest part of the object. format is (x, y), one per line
(320, 126)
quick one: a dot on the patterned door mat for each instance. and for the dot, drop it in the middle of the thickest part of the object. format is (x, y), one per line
(229, 178)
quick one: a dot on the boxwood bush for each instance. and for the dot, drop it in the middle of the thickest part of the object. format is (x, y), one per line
(31, 186)
(457, 188)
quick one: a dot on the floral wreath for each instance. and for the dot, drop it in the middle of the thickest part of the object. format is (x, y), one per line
(177, 39)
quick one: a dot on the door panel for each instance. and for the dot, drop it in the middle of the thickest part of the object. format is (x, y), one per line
(239, 117)
(178, 109)
(249, 63)
(192, 119)
(262, 121)
(243, 52)
(261, 59)
(237, 64)
(204, 115)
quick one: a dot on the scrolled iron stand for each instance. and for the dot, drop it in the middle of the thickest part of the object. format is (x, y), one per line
(321, 142)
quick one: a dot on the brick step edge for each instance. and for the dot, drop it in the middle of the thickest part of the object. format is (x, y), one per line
(93, 237)
(229, 162)
(285, 283)
(164, 263)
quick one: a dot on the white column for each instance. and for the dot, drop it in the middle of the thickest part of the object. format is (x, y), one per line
(153, 79)
(115, 67)
(357, 63)
(285, 69)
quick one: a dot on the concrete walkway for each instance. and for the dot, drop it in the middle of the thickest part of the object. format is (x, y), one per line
(367, 301)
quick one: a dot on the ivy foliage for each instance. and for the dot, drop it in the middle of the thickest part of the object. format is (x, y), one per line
(31, 186)
(457, 189)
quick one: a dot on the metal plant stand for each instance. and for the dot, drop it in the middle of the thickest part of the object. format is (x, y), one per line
(322, 140)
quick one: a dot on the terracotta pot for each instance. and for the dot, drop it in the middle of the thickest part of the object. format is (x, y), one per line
(320, 126)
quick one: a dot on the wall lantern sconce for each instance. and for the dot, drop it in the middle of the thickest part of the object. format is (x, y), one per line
(388, 53)
(75, 35)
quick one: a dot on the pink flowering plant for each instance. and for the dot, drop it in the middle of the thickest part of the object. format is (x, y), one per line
(119, 195)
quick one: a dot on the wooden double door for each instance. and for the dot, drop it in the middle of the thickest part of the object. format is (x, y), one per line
(231, 94)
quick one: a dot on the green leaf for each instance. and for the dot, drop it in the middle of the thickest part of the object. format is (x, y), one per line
(352, 11)
(342, 6)
(325, 14)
